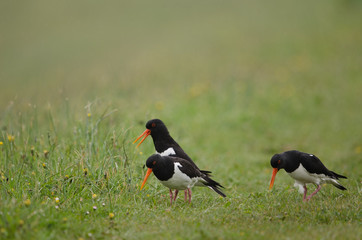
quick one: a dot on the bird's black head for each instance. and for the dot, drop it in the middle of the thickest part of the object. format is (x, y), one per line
(157, 129)
(277, 161)
(152, 164)
(156, 126)
(154, 161)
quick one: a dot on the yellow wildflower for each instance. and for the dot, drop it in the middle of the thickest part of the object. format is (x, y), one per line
(94, 195)
(27, 202)
(1, 143)
(11, 138)
(89, 115)
(111, 215)
(56, 200)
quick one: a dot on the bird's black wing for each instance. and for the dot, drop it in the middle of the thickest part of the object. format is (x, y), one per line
(313, 165)
(187, 168)
(191, 171)
(181, 154)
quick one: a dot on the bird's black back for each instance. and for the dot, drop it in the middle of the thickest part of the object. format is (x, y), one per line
(309, 161)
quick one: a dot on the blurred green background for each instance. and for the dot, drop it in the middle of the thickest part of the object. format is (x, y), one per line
(239, 68)
(234, 81)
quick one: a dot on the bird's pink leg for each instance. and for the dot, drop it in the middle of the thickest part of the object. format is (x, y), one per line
(189, 192)
(171, 196)
(305, 193)
(174, 198)
(186, 194)
(317, 190)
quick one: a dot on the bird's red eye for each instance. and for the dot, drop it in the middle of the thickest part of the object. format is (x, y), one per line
(153, 125)
(154, 162)
(278, 161)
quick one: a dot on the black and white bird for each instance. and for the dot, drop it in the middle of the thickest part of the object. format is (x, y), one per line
(304, 168)
(164, 144)
(179, 174)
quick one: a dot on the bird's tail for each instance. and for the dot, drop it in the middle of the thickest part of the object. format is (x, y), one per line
(207, 173)
(338, 185)
(335, 182)
(217, 190)
(214, 186)
(337, 175)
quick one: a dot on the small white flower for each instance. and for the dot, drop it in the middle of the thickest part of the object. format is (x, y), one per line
(94, 208)
(57, 207)
(103, 204)
(87, 212)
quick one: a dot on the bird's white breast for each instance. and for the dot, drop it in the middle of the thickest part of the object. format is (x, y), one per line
(169, 151)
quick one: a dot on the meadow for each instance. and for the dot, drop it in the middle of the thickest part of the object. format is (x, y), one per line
(234, 83)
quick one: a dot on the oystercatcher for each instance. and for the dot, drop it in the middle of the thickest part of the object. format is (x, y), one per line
(179, 174)
(304, 168)
(165, 145)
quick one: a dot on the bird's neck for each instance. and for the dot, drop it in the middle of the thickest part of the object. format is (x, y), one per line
(291, 166)
(163, 143)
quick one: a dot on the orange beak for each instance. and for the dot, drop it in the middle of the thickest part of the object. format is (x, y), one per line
(145, 134)
(149, 171)
(275, 170)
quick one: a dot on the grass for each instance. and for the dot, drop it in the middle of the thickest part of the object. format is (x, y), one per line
(235, 83)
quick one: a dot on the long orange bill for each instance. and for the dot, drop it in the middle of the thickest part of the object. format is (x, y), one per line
(145, 134)
(275, 170)
(149, 171)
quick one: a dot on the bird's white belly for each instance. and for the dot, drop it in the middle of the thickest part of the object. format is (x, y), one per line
(303, 176)
(179, 180)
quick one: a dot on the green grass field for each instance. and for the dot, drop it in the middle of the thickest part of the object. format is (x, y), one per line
(235, 82)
